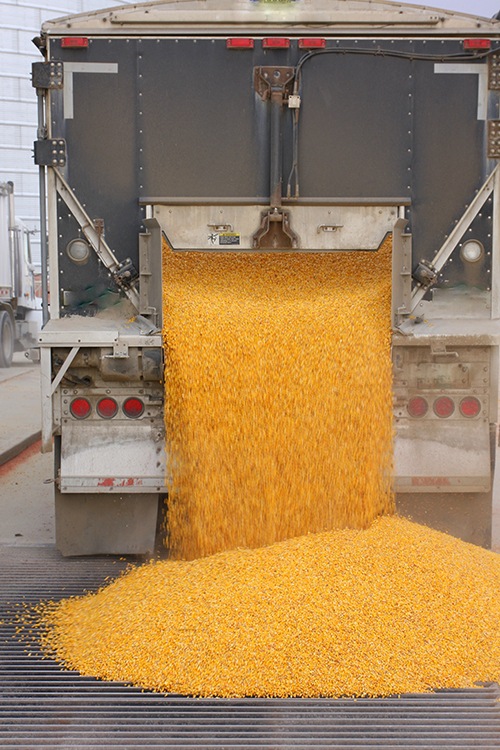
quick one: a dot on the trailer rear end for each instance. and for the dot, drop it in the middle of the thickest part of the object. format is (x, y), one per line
(252, 127)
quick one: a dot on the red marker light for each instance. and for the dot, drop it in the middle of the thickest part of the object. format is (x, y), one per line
(312, 43)
(443, 407)
(74, 42)
(133, 408)
(80, 408)
(418, 407)
(470, 406)
(477, 43)
(275, 42)
(239, 43)
(107, 408)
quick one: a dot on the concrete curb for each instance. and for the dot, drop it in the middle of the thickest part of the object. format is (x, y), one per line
(18, 448)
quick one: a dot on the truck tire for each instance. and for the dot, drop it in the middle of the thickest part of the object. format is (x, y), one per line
(6, 339)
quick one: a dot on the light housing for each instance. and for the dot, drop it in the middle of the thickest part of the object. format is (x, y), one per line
(477, 43)
(240, 43)
(418, 407)
(107, 408)
(312, 43)
(78, 251)
(472, 251)
(133, 408)
(80, 408)
(443, 407)
(275, 43)
(74, 42)
(470, 407)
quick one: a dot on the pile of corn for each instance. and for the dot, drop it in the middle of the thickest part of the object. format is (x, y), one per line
(391, 609)
(278, 395)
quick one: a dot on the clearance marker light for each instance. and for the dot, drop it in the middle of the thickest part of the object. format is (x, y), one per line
(75, 41)
(477, 43)
(239, 43)
(312, 43)
(275, 42)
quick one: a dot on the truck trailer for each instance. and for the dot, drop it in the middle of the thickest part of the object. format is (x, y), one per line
(20, 310)
(247, 126)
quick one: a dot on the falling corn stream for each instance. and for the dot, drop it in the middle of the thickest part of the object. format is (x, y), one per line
(289, 574)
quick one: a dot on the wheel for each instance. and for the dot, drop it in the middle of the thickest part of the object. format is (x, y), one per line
(6, 339)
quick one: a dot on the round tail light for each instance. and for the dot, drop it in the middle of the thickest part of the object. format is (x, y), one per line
(443, 407)
(107, 408)
(133, 408)
(80, 408)
(470, 406)
(418, 406)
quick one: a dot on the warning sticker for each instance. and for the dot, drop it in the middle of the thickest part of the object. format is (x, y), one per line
(223, 238)
(229, 238)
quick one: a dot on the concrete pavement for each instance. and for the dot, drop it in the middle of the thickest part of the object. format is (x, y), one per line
(20, 407)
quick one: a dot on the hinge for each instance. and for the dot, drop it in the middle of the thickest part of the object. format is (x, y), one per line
(275, 79)
(438, 349)
(275, 232)
(493, 139)
(50, 152)
(425, 274)
(494, 72)
(47, 75)
(126, 274)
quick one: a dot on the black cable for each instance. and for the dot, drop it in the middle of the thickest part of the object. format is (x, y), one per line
(459, 57)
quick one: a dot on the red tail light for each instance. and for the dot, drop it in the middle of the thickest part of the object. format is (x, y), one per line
(80, 408)
(444, 407)
(74, 42)
(107, 408)
(477, 43)
(312, 43)
(133, 408)
(276, 42)
(470, 406)
(239, 43)
(418, 406)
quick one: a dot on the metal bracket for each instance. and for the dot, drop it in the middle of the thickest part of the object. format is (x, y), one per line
(438, 349)
(50, 152)
(270, 79)
(47, 75)
(494, 72)
(425, 274)
(120, 349)
(64, 369)
(275, 232)
(221, 227)
(329, 227)
(494, 139)
(123, 273)
(401, 273)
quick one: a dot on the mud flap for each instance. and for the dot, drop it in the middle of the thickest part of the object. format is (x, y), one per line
(464, 515)
(97, 524)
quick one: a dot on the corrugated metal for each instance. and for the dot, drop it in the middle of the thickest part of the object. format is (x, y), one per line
(43, 707)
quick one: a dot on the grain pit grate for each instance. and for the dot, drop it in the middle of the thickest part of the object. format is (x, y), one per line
(42, 706)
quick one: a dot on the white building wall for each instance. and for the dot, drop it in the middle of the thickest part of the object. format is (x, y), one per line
(19, 23)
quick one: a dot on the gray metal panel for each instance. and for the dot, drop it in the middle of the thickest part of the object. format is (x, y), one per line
(354, 138)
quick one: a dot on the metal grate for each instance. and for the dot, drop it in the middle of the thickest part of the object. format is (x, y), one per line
(44, 707)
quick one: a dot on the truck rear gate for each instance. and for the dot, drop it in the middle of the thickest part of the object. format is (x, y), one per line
(249, 127)
(42, 706)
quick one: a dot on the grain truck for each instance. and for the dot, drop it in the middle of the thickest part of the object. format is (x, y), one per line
(20, 313)
(247, 126)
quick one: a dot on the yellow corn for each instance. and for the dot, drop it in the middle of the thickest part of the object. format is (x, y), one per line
(394, 608)
(278, 395)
